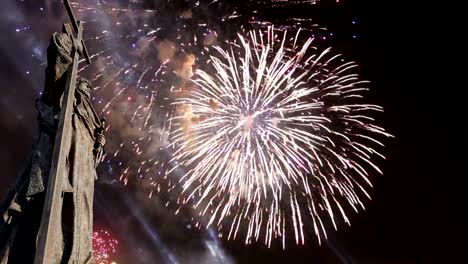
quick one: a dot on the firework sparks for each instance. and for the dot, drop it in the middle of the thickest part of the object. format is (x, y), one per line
(133, 79)
(105, 246)
(143, 52)
(155, 54)
(276, 140)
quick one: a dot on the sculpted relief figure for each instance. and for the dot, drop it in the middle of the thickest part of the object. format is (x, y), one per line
(22, 208)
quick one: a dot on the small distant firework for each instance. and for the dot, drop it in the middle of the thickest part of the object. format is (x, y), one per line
(104, 246)
(275, 139)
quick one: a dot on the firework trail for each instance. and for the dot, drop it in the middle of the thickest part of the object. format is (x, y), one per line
(275, 138)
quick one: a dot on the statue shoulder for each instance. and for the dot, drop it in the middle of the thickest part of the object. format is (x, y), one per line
(63, 42)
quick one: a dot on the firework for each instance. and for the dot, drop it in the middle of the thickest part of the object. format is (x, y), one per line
(140, 53)
(105, 246)
(143, 50)
(275, 138)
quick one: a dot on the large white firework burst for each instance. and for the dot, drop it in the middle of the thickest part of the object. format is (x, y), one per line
(274, 138)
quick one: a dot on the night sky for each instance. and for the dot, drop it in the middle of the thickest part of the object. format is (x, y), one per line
(409, 219)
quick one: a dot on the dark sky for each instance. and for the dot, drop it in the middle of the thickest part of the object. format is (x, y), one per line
(409, 219)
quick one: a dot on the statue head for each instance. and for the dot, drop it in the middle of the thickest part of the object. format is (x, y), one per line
(84, 86)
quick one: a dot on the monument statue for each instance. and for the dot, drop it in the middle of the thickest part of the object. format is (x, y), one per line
(48, 214)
